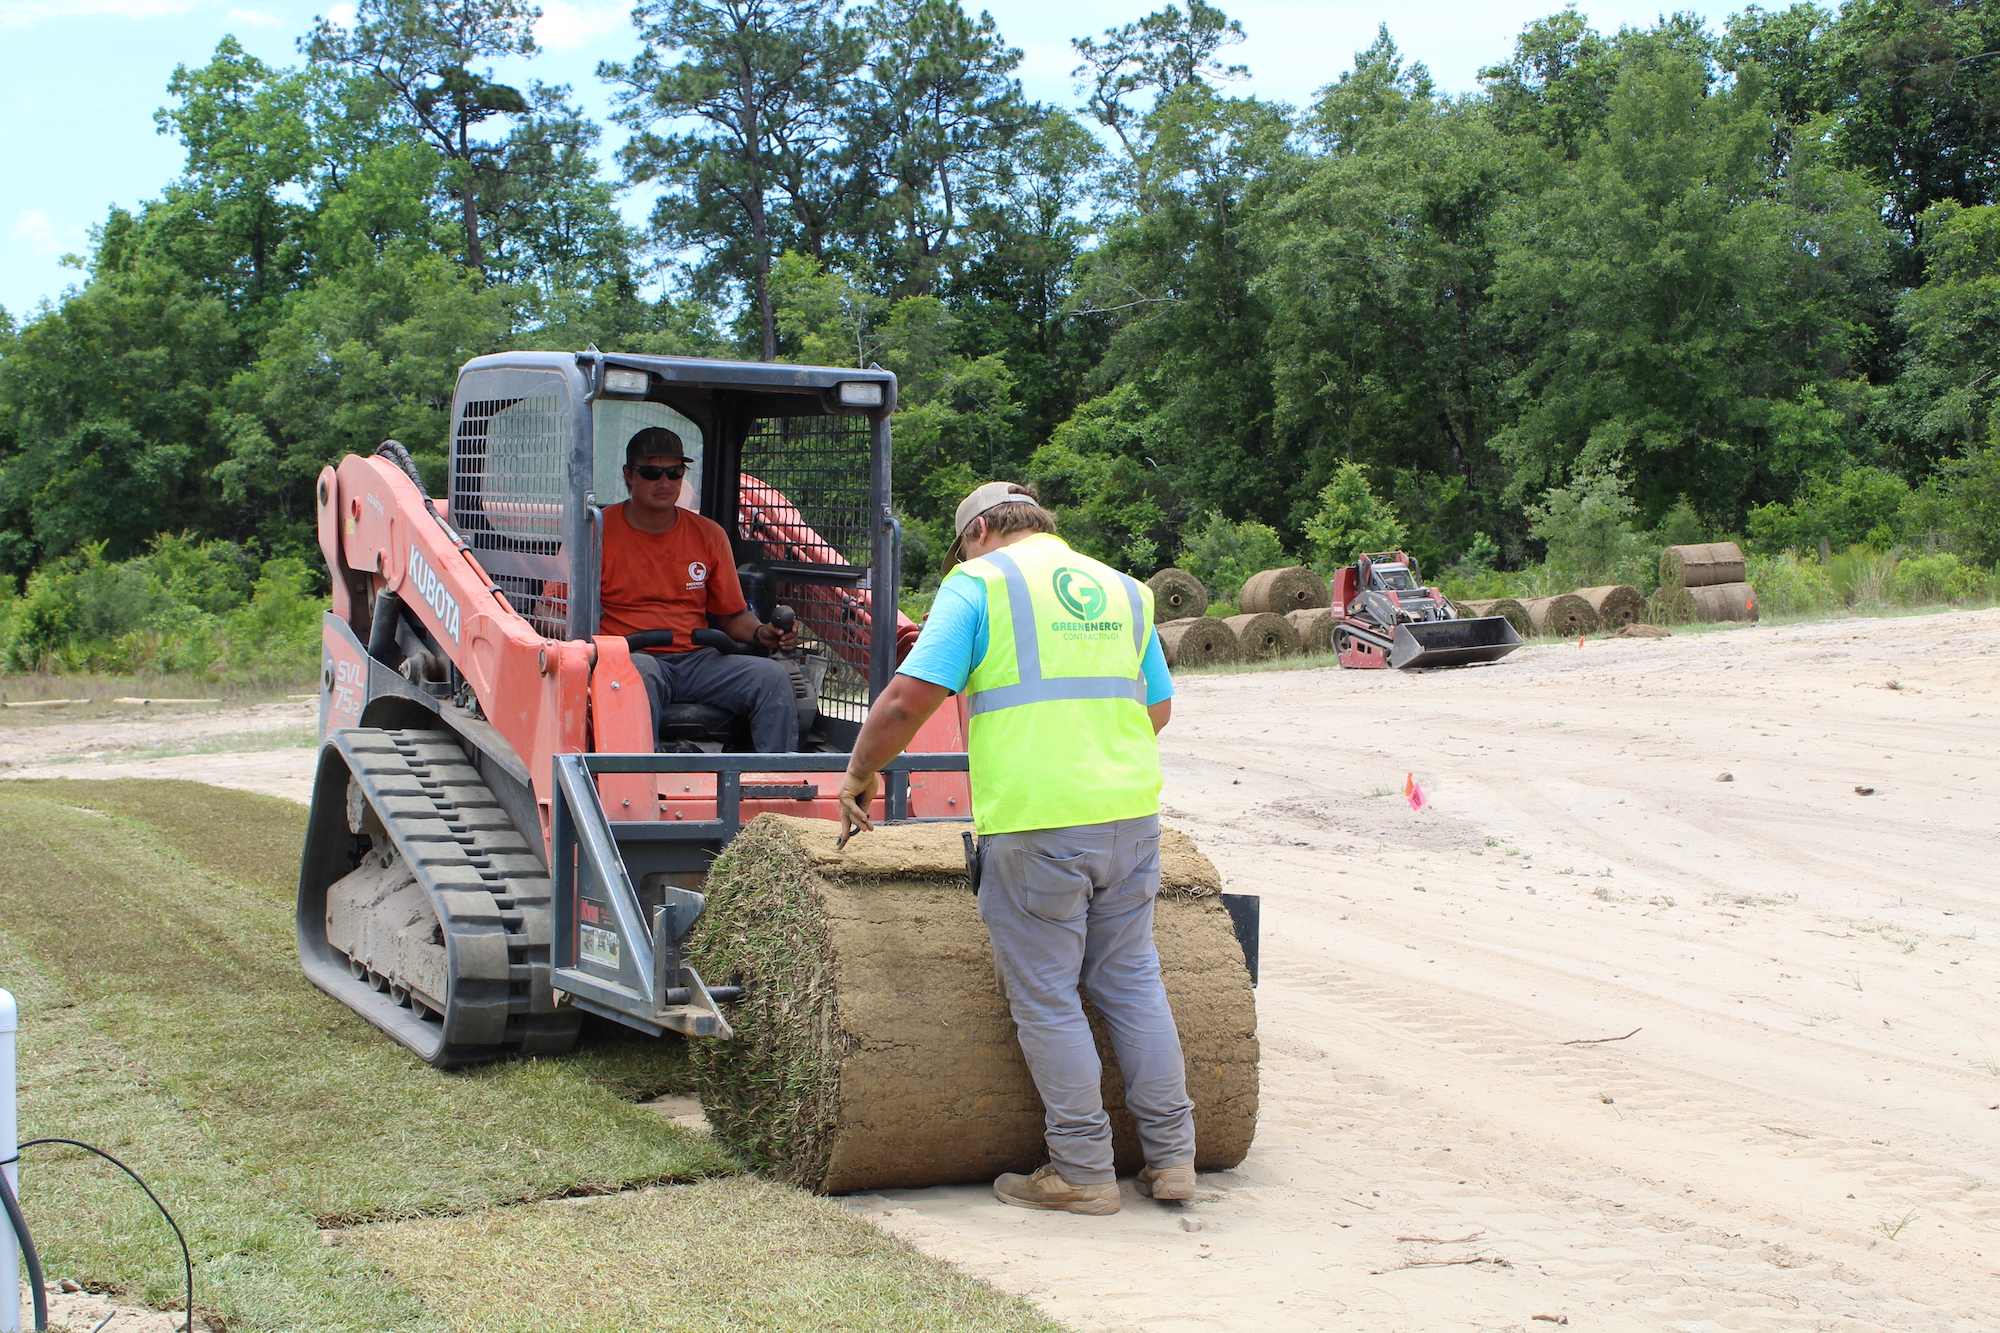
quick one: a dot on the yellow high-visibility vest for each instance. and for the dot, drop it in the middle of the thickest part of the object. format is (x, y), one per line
(1058, 731)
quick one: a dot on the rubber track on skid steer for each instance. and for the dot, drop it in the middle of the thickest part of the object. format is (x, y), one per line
(489, 889)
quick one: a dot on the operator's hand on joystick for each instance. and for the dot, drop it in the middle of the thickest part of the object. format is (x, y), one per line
(857, 793)
(770, 636)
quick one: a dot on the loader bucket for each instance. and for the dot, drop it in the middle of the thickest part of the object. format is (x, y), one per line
(1441, 643)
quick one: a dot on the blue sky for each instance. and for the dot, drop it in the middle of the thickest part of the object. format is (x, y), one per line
(80, 80)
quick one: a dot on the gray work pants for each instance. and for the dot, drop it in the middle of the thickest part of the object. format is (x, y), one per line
(1075, 905)
(756, 686)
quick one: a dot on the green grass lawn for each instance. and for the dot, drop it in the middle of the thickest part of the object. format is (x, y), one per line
(146, 929)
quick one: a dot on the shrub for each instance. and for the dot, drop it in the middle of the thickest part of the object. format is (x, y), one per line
(1860, 505)
(1926, 579)
(1588, 528)
(1351, 520)
(1789, 586)
(276, 636)
(1223, 554)
(1860, 576)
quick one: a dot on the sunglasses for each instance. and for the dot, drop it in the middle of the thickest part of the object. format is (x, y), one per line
(653, 473)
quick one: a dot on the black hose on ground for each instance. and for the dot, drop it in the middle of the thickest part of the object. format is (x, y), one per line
(27, 1247)
(20, 1224)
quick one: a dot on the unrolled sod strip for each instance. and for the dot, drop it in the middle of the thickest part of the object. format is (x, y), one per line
(1177, 595)
(874, 1050)
(1727, 601)
(1282, 591)
(1617, 604)
(1205, 641)
(1263, 635)
(1703, 565)
(1515, 613)
(1561, 615)
(1315, 629)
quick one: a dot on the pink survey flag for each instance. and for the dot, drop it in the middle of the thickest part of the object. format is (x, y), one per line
(1413, 791)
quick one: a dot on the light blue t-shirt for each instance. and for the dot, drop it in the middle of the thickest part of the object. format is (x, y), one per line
(954, 641)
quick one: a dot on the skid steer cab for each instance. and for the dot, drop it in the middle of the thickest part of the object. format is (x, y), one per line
(1387, 617)
(500, 838)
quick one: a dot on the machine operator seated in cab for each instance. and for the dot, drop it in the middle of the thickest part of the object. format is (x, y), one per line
(668, 568)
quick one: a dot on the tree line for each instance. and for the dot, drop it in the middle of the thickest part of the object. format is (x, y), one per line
(1679, 280)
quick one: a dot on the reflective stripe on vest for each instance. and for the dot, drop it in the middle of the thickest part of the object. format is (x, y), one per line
(1033, 687)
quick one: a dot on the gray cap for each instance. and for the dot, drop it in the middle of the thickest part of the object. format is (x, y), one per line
(986, 497)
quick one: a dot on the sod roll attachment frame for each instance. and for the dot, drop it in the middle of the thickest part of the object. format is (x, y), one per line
(874, 1049)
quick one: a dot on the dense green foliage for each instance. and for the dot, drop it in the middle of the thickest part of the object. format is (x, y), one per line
(1663, 284)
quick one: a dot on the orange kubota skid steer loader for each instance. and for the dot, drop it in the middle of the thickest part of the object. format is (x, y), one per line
(495, 846)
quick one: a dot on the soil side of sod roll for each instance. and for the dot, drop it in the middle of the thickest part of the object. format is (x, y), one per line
(1511, 608)
(1263, 635)
(1702, 565)
(1315, 629)
(1177, 595)
(1562, 615)
(1617, 604)
(1204, 641)
(874, 1049)
(1282, 591)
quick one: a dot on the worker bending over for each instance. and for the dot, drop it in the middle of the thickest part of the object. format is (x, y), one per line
(1066, 688)
(669, 568)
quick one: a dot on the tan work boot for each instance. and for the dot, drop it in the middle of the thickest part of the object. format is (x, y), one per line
(1048, 1190)
(1168, 1183)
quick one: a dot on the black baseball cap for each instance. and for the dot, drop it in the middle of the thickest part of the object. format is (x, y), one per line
(655, 442)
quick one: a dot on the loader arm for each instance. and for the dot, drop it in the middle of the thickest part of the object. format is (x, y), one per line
(374, 522)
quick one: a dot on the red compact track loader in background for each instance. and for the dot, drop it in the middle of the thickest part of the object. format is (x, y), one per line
(1388, 618)
(492, 830)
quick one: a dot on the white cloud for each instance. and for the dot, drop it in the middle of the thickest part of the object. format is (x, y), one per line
(37, 231)
(254, 18)
(21, 13)
(341, 16)
(565, 27)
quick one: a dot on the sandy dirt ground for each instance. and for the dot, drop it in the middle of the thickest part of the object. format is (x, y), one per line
(265, 747)
(1799, 1126)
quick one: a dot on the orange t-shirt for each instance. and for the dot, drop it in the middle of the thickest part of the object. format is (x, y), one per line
(666, 580)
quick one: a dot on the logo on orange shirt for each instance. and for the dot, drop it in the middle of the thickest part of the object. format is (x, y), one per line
(697, 574)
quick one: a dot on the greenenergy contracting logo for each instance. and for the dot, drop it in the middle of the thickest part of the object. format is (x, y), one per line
(1081, 595)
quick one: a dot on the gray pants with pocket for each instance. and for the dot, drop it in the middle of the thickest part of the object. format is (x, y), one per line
(1070, 906)
(756, 686)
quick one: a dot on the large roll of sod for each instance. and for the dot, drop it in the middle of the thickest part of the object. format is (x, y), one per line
(1702, 565)
(1282, 591)
(1516, 614)
(1561, 615)
(1315, 629)
(1204, 641)
(1617, 605)
(1263, 635)
(1177, 595)
(1725, 601)
(873, 1048)
(1672, 604)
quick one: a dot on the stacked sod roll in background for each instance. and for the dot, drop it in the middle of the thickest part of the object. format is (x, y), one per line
(1177, 595)
(1205, 641)
(1703, 582)
(874, 1050)
(1282, 591)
